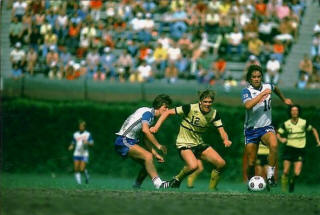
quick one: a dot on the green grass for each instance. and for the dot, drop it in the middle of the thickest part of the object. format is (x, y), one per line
(59, 194)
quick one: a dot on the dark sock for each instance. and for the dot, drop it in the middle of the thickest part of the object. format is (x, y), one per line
(251, 171)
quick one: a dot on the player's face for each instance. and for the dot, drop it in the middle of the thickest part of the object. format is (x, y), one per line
(294, 112)
(255, 79)
(82, 126)
(163, 109)
(205, 104)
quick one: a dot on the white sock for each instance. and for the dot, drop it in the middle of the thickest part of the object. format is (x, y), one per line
(270, 171)
(157, 182)
(86, 174)
(77, 176)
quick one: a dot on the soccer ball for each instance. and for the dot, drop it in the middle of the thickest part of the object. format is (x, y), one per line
(256, 183)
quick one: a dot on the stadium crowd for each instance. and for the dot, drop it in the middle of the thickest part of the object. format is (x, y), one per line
(143, 40)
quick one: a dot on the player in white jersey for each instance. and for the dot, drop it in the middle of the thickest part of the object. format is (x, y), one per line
(82, 139)
(258, 124)
(127, 142)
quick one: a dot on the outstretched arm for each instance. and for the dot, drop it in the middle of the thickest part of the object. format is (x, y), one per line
(153, 151)
(316, 135)
(252, 102)
(161, 119)
(281, 139)
(152, 139)
(281, 96)
(224, 137)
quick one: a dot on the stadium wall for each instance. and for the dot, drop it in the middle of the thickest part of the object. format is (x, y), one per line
(36, 135)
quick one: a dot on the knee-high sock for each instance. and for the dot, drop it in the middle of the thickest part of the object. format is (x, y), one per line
(77, 176)
(284, 182)
(192, 177)
(215, 175)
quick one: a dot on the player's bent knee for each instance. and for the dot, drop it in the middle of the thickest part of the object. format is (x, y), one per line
(221, 164)
(148, 157)
(193, 167)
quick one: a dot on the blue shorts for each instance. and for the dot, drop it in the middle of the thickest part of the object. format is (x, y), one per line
(253, 135)
(81, 158)
(123, 144)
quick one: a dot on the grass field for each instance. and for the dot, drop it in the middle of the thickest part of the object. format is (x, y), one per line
(24, 194)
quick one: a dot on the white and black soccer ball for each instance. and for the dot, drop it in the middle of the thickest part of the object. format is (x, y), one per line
(256, 183)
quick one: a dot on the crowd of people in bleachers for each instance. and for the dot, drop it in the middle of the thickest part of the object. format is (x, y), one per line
(144, 40)
(309, 67)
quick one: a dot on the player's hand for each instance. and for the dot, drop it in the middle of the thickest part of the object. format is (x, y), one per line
(318, 145)
(154, 130)
(159, 158)
(227, 143)
(266, 92)
(288, 101)
(163, 149)
(283, 140)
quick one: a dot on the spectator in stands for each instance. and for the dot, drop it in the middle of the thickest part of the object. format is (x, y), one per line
(174, 53)
(15, 31)
(255, 46)
(100, 74)
(35, 39)
(40, 20)
(316, 68)
(315, 48)
(235, 41)
(219, 68)
(302, 82)
(273, 71)
(50, 41)
(92, 60)
(265, 30)
(61, 26)
(96, 6)
(133, 48)
(183, 66)
(107, 62)
(52, 58)
(305, 68)
(205, 73)
(143, 73)
(54, 72)
(316, 28)
(251, 29)
(286, 31)
(16, 72)
(19, 8)
(18, 56)
(160, 56)
(124, 65)
(73, 36)
(171, 73)
(282, 10)
(278, 50)
(178, 24)
(31, 59)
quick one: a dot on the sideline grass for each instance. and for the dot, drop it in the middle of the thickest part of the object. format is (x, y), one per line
(58, 194)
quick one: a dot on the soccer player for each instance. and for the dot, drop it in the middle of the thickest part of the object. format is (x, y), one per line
(82, 139)
(256, 98)
(127, 141)
(197, 118)
(294, 130)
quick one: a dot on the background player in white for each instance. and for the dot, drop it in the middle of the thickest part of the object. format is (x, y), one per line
(127, 142)
(82, 139)
(257, 101)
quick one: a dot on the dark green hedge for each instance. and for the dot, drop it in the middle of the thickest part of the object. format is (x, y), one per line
(36, 135)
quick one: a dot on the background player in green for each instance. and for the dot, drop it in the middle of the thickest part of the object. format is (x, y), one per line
(295, 131)
(196, 120)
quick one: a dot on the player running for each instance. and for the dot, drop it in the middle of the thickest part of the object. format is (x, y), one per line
(82, 139)
(196, 120)
(295, 142)
(127, 142)
(256, 98)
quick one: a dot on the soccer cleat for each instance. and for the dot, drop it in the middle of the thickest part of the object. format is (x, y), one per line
(270, 183)
(165, 185)
(174, 183)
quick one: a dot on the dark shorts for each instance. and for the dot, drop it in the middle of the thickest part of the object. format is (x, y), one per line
(81, 158)
(253, 135)
(262, 160)
(197, 150)
(123, 144)
(293, 154)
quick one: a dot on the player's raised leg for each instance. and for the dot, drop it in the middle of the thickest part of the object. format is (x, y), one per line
(285, 175)
(296, 174)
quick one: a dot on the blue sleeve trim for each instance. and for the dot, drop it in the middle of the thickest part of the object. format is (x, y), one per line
(245, 95)
(147, 117)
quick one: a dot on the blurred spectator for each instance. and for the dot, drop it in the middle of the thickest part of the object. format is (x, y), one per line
(273, 69)
(160, 55)
(316, 68)
(124, 65)
(282, 10)
(255, 46)
(15, 31)
(171, 74)
(52, 58)
(107, 62)
(132, 48)
(316, 28)
(305, 68)
(50, 41)
(219, 68)
(229, 82)
(183, 66)
(54, 72)
(100, 74)
(16, 72)
(286, 31)
(31, 59)
(235, 41)
(18, 56)
(142, 74)
(92, 59)
(278, 50)
(315, 48)
(95, 6)
(205, 73)
(174, 53)
(19, 8)
(302, 82)
(265, 30)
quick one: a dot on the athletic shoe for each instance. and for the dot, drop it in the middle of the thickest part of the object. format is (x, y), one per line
(174, 183)
(165, 185)
(270, 183)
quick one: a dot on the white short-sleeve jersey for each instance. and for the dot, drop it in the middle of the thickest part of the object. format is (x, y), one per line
(78, 139)
(133, 124)
(260, 114)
